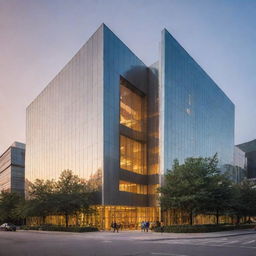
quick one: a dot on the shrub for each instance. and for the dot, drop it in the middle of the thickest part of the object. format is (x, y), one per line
(201, 228)
(60, 228)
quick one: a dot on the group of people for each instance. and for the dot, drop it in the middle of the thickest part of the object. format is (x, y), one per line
(115, 226)
(145, 226)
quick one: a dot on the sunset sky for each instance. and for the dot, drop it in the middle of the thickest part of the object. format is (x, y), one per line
(38, 37)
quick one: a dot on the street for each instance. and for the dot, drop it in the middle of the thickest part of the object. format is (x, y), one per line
(42, 243)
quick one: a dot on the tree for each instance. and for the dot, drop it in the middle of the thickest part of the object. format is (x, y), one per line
(72, 195)
(190, 186)
(68, 196)
(9, 205)
(41, 201)
(219, 190)
(244, 200)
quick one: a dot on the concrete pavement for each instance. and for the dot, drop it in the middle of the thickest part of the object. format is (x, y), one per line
(43, 243)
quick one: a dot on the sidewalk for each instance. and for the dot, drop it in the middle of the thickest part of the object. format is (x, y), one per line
(146, 236)
(154, 236)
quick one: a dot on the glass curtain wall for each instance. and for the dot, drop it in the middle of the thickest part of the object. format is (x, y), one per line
(132, 187)
(196, 117)
(131, 108)
(132, 155)
(137, 188)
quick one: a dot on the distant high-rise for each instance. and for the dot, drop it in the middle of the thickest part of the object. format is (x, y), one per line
(12, 163)
(115, 121)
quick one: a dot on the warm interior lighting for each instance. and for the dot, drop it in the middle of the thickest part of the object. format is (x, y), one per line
(131, 108)
(132, 155)
(132, 187)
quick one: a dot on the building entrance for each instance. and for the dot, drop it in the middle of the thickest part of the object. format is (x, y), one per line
(129, 218)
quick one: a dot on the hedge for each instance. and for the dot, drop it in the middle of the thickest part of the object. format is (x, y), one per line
(60, 228)
(201, 228)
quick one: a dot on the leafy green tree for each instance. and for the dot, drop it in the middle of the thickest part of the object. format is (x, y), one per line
(9, 204)
(69, 196)
(219, 196)
(41, 201)
(72, 195)
(188, 186)
(244, 200)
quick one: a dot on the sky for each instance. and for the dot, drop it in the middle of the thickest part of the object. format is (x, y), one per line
(38, 38)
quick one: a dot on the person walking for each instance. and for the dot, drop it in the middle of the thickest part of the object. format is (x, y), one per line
(143, 226)
(147, 224)
(116, 227)
(162, 226)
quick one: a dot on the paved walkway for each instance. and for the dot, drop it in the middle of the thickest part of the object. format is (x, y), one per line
(167, 236)
(154, 236)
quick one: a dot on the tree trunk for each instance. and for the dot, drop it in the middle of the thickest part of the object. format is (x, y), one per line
(77, 219)
(217, 217)
(191, 218)
(66, 220)
(237, 219)
(44, 217)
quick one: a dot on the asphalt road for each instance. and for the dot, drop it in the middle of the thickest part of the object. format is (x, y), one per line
(36, 243)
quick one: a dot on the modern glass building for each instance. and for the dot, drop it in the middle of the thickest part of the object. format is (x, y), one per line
(249, 148)
(12, 168)
(238, 172)
(120, 124)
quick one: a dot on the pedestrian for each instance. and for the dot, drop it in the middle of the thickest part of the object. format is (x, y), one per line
(162, 226)
(143, 226)
(147, 225)
(118, 227)
(115, 227)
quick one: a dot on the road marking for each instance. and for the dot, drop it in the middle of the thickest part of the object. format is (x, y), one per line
(107, 241)
(249, 242)
(232, 242)
(169, 254)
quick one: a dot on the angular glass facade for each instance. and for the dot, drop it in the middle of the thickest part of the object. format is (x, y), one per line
(196, 117)
(65, 122)
(118, 123)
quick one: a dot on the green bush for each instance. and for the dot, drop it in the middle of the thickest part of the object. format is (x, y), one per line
(29, 228)
(201, 228)
(60, 228)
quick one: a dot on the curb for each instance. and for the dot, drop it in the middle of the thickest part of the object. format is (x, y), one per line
(205, 237)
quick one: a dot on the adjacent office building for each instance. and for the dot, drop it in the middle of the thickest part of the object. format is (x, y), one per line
(249, 148)
(113, 120)
(239, 169)
(12, 163)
